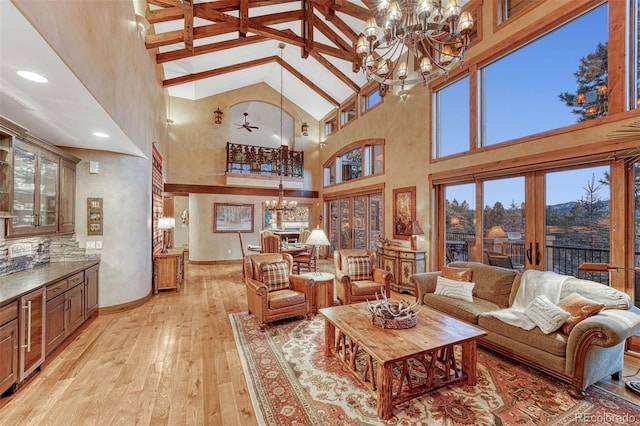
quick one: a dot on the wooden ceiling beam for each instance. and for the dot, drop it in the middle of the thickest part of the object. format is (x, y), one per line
(335, 71)
(243, 13)
(340, 24)
(218, 71)
(188, 26)
(307, 28)
(152, 41)
(176, 55)
(166, 3)
(308, 82)
(347, 8)
(164, 15)
(325, 29)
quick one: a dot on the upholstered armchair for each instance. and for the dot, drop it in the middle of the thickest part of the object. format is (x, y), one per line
(273, 291)
(358, 279)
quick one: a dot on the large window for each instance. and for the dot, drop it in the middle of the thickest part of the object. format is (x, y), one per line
(552, 82)
(360, 161)
(452, 117)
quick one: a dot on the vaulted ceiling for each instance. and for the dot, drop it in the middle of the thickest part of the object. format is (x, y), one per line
(210, 47)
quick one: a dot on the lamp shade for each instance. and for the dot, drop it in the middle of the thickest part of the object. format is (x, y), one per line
(166, 223)
(497, 232)
(317, 238)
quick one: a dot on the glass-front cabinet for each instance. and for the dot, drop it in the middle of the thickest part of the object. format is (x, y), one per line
(6, 173)
(35, 191)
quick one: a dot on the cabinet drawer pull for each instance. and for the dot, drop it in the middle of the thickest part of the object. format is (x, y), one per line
(28, 308)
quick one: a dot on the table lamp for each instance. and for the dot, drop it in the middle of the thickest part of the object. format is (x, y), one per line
(165, 223)
(416, 230)
(317, 238)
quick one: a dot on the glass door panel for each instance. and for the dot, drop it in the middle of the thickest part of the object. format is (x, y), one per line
(503, 221)
(376, 219)
(459, 222)
(577, 221)
(24, 188)
(334, 225)
(359, 216)
(48, 192)
(345, 224)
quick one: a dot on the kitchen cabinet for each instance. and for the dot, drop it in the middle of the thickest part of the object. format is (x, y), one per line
(67, 204)
(168, 270)
(65, 309)
(403, 263)
(6, 173)
(35, 190)
(8, 346)
(32, 341)
(90, 291)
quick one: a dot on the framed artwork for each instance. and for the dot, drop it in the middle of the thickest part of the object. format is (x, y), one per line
(232, 217)
(94, 216)
(404, 212)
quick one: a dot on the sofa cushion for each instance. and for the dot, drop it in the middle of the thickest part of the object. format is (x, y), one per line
(285, 298)
(554, 343)
(461, 309)
(458, 274)
(492, 283)
(545, 314)
(359, 268)
(612, 298)
(366, 287)
(275, 275)
(258, 260)
(456, 289)
(579, 307)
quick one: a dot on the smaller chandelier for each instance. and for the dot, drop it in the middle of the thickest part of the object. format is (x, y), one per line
(435, 36)
(280, 204)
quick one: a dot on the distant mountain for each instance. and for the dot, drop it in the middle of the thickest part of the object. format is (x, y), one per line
(564, 208)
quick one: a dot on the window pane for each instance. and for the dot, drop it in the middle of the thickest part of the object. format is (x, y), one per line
(370, 100)
(377, 154)
(503, 221)
(460, 231)
(577, 220)
(452, 129)
(330, 126)
(348, 113)
(534, 89)
(351, 165)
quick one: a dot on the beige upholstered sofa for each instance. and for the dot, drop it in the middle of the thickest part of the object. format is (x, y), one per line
(591, 351)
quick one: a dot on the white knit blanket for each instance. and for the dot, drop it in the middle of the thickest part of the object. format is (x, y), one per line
(532, 284)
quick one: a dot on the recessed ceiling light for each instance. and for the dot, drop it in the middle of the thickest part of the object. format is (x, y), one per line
(30, 75)
(100, 134)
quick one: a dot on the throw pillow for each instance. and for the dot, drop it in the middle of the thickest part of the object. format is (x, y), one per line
(579, 307)
(275, 275)
(359, 268)
(545, 314)
(458, 274)
(455, 289)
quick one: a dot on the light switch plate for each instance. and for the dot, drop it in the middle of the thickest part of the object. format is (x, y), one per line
(99, 245)
(94, 167)
(91, 245)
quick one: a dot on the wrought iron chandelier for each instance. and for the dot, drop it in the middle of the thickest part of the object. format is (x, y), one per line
(280, 205)
(433, 36)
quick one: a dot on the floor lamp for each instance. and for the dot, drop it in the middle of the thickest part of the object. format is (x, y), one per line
(317, 238)
(632, 385)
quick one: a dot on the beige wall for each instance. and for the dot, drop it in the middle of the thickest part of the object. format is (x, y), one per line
(99, 42)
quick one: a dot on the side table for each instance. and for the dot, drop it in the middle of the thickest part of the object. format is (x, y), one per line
(323, 297)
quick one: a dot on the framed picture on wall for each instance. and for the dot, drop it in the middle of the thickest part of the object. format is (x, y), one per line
(404, 212)
(94, 216)
(232, 217)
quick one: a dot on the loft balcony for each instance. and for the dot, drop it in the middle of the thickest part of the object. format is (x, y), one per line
(258, 166)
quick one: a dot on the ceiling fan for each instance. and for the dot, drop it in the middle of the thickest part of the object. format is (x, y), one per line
(246, 124)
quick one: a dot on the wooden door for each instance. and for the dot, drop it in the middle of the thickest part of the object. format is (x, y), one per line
(56, 329)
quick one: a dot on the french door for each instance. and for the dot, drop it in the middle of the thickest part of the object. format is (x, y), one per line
(355, 221)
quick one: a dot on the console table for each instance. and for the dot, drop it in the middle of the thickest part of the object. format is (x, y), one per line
(402, 262)
(168, 270)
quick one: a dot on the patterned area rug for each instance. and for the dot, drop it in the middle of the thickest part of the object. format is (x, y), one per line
(293, 383)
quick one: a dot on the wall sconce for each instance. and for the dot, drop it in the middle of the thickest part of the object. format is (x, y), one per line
(305, 129)
(218, 115)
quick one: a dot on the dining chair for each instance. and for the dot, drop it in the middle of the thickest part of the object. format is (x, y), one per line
(242, 252)
(270, 244)
(306, 260)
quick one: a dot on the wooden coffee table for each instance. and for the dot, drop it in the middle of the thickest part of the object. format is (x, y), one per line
(427, 349)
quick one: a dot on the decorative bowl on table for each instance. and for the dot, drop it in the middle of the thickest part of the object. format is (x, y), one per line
(385, 313)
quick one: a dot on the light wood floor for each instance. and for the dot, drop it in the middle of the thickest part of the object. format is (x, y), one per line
(171, 361)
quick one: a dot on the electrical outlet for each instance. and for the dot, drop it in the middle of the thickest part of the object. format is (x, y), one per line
(99, 245)
(91, 245)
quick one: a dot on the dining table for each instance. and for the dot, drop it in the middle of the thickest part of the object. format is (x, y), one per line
(291, 248)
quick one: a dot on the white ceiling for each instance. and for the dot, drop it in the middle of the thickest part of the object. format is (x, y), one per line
(62, 111)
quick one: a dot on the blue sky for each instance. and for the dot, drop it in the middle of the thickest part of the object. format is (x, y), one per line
(522, 99)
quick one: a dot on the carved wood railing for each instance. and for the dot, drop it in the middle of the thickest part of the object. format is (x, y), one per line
(250, 159)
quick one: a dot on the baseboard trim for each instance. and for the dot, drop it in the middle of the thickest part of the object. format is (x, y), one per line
(125, 306)
(216, 262)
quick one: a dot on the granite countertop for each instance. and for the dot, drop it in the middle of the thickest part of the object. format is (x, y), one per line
(15, 285)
